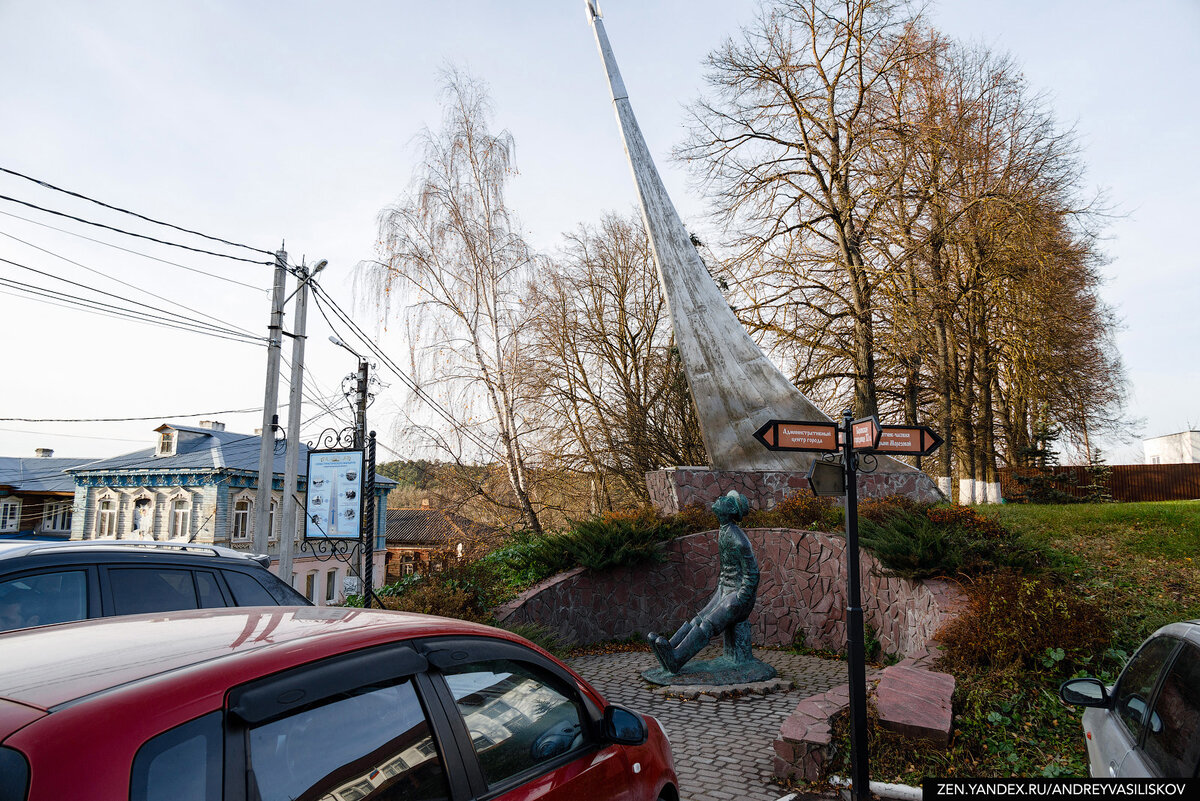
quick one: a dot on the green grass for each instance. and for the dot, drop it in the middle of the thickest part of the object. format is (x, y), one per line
(1139, 562)
(1137, 559)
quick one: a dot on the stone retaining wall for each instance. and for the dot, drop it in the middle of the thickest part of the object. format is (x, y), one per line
(801, 595)
(676, 488)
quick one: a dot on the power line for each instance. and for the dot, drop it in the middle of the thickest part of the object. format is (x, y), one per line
(123, 283)
(320, 294)
(44, 295)
(174, 318)
(134, 252)
(131, 233)
(74, 436)
(121, 419)
(133, 213)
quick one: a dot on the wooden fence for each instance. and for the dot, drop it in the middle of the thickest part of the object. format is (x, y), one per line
(1126, 482)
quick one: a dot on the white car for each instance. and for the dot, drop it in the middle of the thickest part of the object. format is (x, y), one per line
(1148, 723)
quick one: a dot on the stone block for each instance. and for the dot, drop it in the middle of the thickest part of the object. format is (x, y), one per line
(916, 703)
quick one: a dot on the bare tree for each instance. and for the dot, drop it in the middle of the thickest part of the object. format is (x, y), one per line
(785, 141)
(610, 375)
(452, 252)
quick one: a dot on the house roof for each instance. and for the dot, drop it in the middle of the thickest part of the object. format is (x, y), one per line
(432, 527)
(37, 474)
(203, 449)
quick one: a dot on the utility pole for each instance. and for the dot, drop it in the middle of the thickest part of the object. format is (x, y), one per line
(291, 467)
(367, 523)
(360, 406)
(266, 453)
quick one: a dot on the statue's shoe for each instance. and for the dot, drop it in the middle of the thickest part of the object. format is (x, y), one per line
(666, 654)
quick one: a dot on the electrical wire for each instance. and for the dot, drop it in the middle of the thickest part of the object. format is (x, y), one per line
(73, 436)
(134, 252)
(131, 233)
(40, 182)
(123, 419)
(134, 287)
(44, 295)
(175, 317)
(321, 295)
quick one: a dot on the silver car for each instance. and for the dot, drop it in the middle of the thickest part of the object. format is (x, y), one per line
(1148, 723)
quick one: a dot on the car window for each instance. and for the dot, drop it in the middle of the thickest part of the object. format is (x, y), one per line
(182, 764)
(1137, 682)
(1173, 738)
(42, 598)
(262, 590)
(150, 589)
(374, 742)
(209, 590)
(517, 716)
(246, 591)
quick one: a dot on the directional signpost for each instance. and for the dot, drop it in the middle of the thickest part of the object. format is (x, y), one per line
(852, 437)
(791, 435)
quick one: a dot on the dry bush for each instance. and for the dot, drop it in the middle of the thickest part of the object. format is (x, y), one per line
(1015, 620)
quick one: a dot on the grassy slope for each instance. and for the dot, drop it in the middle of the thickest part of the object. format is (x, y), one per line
(1139, 561)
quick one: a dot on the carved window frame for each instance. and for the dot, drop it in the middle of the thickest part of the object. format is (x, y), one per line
(100, 531)
(247, 535)
(173, 515)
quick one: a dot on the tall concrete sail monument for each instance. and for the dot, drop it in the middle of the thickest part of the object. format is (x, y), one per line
(735, 386)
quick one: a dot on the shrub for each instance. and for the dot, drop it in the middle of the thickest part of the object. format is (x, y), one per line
(880, 510)
(697, 517)
(435, 598)
(616, 539)
(597, 543)
(911, 545)
(946, 540)
(1016, 620)
(542, 636)
(800, 510)
(967, 519)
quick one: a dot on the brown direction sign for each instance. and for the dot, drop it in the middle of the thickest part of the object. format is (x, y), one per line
(798, 435)
(864, 433)
(916, 440)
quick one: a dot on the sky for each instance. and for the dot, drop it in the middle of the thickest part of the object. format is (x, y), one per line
(295, 123)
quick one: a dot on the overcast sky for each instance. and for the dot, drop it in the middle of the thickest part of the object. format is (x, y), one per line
(270, 121)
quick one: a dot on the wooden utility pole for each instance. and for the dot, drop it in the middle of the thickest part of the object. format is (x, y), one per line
(266, 452)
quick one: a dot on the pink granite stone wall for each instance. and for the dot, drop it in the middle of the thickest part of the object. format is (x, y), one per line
(680, 487)
(801, 594)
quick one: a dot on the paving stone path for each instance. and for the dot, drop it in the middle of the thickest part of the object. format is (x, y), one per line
(723, 748)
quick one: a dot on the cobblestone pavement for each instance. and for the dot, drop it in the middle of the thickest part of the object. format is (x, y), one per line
(723, 748)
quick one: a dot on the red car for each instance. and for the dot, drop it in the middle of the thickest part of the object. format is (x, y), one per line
(320, 704)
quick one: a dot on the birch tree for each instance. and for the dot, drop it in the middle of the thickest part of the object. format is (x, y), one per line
(452, 262)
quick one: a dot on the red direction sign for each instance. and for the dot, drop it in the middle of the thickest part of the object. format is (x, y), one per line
(798, 435)
(916, 440)
(865, 433)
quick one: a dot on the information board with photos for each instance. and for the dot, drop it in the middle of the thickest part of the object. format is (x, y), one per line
(333, 507)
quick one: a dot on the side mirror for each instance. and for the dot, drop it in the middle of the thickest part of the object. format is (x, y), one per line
(1083, 692)
(622, 726)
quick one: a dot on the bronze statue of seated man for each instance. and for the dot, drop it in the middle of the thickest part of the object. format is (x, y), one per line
(726, 611)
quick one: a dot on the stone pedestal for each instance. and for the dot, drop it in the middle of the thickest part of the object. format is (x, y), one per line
(676, 488)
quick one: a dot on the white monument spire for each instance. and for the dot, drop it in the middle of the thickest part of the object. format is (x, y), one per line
(735, 386)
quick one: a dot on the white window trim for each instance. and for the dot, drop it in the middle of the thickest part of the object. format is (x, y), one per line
(159, 450)
(248, 498)
(185, 498)
(106, 497)
(274, 514)
(15, 523)
(60, 510)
